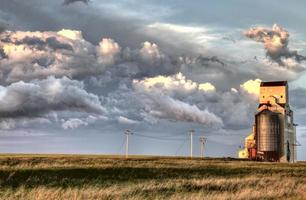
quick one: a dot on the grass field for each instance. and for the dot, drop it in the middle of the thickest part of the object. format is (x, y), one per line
(113, 177)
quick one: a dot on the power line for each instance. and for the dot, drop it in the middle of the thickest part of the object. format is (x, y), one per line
(121, 146)
(181, 146)
(202, 141)
(127, 132)
(169, 137)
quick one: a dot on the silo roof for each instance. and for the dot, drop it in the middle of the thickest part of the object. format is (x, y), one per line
(274, 83)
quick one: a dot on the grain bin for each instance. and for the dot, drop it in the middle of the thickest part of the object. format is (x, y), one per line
(268, 127)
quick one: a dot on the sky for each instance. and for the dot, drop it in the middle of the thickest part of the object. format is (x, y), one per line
(75, 74)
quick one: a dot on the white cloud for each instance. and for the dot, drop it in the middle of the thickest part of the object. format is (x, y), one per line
(127, 121)
(176, 97)
(159, 93)
(175, 84)
(167, 84)
(234, 90)
(251, 86)
(200, 35)
(276, 42)
(207, 87)
(30, 55)
(150, 52)
(71, 34)
(108, 50)
(73, 123)
(43, 97)
(169, 108)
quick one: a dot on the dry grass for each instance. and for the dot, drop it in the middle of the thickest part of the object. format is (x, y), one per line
(112, 177)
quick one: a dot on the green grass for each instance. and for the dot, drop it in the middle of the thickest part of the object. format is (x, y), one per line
(145, 177)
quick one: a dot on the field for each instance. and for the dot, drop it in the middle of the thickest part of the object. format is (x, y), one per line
(113, 177)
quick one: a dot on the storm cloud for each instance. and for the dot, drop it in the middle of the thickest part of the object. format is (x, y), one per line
(29, 55)
(40, 97)
(136, 86)
(163, 67)
(178, 98)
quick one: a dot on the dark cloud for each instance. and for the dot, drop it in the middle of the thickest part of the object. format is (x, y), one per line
(32, 41)
(67, 2)
(43, 96)
(52, 16)
(39, 98)
(130, 32)
(150, 61)
(109, 68)
(229, 38)
(276, 42)
(2, 54)
(33, 55)
(39, 43)
(111, 76)
(53, 43)
(206, 61)
(44, 62)
(176, 98)
(112, 73)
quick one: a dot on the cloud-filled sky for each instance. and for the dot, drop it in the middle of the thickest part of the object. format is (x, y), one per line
(75, 74)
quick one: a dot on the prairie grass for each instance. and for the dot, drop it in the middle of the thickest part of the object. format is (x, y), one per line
(142, 177)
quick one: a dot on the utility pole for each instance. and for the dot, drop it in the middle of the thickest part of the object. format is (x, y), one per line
(191, 132)
(295, 144)
(202, 141)
(127, 133)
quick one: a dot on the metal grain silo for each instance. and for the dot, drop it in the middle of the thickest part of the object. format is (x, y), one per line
(274, 136)
(268, 130)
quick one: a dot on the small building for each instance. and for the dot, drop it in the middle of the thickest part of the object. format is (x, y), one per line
(274, 135)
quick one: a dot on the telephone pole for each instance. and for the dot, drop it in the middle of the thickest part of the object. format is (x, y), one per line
(191, 132)
(127, 133)
(202, 141)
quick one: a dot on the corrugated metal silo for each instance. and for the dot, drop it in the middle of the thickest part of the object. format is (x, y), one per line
(268, 130)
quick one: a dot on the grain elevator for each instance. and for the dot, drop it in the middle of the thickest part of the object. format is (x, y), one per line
(273, 137)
